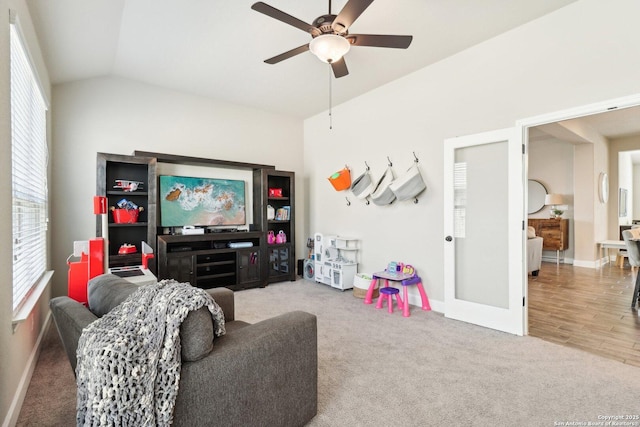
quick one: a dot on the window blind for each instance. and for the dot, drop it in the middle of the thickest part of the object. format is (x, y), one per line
(29, 157)
(459, 199)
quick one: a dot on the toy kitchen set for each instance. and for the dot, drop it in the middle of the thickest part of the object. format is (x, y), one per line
(335, 259)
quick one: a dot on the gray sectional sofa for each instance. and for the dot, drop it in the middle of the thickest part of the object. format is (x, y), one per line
(262, 374)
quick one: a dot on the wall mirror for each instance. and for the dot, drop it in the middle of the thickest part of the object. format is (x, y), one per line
(537, 192)
(603, 188)
(622, 202)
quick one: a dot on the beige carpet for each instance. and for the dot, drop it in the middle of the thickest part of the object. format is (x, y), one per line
(377, 369)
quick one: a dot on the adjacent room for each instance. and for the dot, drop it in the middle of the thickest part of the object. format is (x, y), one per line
(352, 228)
(574, 302)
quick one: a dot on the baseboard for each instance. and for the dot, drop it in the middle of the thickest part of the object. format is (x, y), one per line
(18, 398)
(414, 299)
(555, 260)
(586, 264)
(581, 263)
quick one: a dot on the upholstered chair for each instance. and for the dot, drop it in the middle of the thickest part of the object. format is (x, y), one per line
(632, 242)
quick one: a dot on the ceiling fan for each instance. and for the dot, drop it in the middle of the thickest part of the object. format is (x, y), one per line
(331, 38)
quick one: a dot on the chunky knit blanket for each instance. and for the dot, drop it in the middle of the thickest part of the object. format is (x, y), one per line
(129, 360)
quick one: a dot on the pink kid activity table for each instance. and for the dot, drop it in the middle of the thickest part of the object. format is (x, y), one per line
(405, 280)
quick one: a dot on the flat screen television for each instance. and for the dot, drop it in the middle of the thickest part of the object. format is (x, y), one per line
(201, 201)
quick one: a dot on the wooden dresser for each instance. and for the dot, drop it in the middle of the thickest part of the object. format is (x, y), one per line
(554, 232)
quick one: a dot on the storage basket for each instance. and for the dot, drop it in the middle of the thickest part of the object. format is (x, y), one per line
(361, 284)
(362, 185)
(341, 180)
(409, 185)
(125, 216)
(383, 195)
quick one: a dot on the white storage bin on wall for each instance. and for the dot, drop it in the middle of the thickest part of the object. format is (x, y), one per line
(408, 185)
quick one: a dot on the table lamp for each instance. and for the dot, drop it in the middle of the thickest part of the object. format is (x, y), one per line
(554, 200)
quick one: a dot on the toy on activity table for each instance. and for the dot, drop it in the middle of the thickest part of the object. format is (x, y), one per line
(401, 268)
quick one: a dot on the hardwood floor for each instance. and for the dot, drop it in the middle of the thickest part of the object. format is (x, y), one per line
(585, 308)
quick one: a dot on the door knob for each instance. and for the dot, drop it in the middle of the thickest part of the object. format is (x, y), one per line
(448, 238)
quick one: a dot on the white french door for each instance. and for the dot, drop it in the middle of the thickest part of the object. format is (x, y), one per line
(484, 271)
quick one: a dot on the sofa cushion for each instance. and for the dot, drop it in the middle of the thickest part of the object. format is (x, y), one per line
(196, 335)
(107, 291)
(531, 232)
(196, 332)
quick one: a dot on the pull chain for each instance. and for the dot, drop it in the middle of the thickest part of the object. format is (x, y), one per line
(330, 100)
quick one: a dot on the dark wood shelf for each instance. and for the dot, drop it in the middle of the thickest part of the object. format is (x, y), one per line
(216, 276)
(199, 161)
(276, 257)
(126, 193)
(127, 259)
(216, 263)
(109, 169)
(128, 224)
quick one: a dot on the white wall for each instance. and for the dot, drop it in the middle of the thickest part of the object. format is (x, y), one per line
(556, 62)
(625, 181)
(551, 163)
(635, 192)
(589, 188)
(617, 146)
(589, 213)
(115, 115)
(18, 349)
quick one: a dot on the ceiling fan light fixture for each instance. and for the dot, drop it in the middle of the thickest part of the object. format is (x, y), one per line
(329, 47)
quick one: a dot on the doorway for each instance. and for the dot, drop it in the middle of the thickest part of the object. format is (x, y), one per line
(614, 125)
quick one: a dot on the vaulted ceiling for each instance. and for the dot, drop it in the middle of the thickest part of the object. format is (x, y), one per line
(216, 48)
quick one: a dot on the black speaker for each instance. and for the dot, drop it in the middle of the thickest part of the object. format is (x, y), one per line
(300, 269)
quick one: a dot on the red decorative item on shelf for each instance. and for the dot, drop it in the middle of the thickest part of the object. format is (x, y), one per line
(125, 216)
(127, 249)
(275, 192)
(99, 205)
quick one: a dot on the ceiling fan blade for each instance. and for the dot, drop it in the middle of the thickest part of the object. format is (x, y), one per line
(377, 40)
(284, 17)
(288, 54)
(349, 13)
(339, 68)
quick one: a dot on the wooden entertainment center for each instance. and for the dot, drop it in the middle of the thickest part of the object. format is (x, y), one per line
(233, 259)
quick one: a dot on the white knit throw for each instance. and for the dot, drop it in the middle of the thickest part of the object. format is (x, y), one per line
(128, 366)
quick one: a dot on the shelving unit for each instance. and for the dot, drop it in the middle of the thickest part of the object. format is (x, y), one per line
(279, 258)
(112, 167)
(347, 248)
(203, 260)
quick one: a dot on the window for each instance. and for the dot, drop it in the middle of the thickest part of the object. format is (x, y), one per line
(29, 173)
